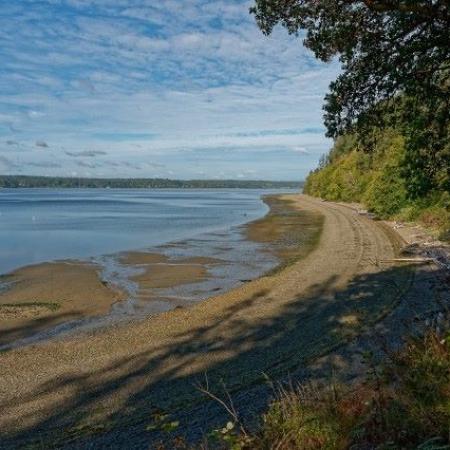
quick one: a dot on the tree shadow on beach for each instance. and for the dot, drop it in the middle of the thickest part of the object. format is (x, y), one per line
(34, 326)
(238, 350)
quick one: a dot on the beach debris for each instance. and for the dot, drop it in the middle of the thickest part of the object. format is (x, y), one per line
(398, 225)
(435, 251)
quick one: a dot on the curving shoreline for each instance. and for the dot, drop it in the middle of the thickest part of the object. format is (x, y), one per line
(50, 300)
(273, 326)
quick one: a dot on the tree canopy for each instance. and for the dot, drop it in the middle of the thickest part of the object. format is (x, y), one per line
(385, 47)
(31, 181)
(395, 56)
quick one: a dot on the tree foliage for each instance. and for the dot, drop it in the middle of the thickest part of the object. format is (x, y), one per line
(385, 47)
(392, 52)
(378, 179)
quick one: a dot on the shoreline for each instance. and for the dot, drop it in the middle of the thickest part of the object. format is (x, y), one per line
(140, 220)
(275, 326)
(69, 297)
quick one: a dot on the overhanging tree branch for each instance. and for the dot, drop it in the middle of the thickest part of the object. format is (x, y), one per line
(419, 8)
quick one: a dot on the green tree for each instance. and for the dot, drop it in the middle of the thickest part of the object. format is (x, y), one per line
(392, 52)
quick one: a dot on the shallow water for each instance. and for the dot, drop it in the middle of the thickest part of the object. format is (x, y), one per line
(99, 225)
(38, 225)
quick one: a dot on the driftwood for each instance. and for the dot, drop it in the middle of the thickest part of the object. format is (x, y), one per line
(416, 260)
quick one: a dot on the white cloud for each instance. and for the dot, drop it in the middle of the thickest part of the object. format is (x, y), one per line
(35, 114)
(86, 153)
(143, 81)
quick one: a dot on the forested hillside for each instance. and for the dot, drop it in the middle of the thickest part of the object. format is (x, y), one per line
(389, 108)
(382, 169)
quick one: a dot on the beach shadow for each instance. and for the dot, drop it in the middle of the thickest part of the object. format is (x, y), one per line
(238, 352)
(33, 327)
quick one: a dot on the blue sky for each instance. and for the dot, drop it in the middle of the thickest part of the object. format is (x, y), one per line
(141, 88)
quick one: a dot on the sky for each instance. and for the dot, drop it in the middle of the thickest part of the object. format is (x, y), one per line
(141, 88)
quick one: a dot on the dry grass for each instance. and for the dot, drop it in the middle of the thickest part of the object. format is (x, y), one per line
(403, 405)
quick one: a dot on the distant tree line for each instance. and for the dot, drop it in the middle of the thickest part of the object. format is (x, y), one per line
(27, 181)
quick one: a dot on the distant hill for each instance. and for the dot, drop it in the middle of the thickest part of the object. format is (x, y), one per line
(27, 181)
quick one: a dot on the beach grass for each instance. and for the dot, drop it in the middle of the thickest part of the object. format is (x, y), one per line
(52, 306)
(400, 404)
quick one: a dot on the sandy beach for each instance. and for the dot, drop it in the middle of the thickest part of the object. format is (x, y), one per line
(103, 389)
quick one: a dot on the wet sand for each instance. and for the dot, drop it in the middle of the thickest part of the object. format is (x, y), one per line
(159, 271)
(145, 258)
(35, 298)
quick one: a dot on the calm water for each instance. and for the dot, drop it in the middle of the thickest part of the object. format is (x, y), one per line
(39, 225)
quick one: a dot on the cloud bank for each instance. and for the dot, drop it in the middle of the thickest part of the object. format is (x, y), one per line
(181, 89)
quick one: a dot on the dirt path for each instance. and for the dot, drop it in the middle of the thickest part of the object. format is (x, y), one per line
(102, 390)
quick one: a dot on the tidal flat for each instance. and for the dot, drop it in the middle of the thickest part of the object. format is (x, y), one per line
(50, 300)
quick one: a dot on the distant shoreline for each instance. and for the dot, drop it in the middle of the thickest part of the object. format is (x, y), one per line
(29, 181)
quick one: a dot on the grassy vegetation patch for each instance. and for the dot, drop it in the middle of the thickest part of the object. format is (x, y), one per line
(52, 306)
(403, 404)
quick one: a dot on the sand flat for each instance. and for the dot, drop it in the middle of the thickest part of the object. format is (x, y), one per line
(136, 258)
(145, 258)
(43, 295)
(158, 276)
(160, 271)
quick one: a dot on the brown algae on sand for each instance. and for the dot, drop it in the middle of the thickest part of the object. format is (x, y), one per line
(290, 231)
